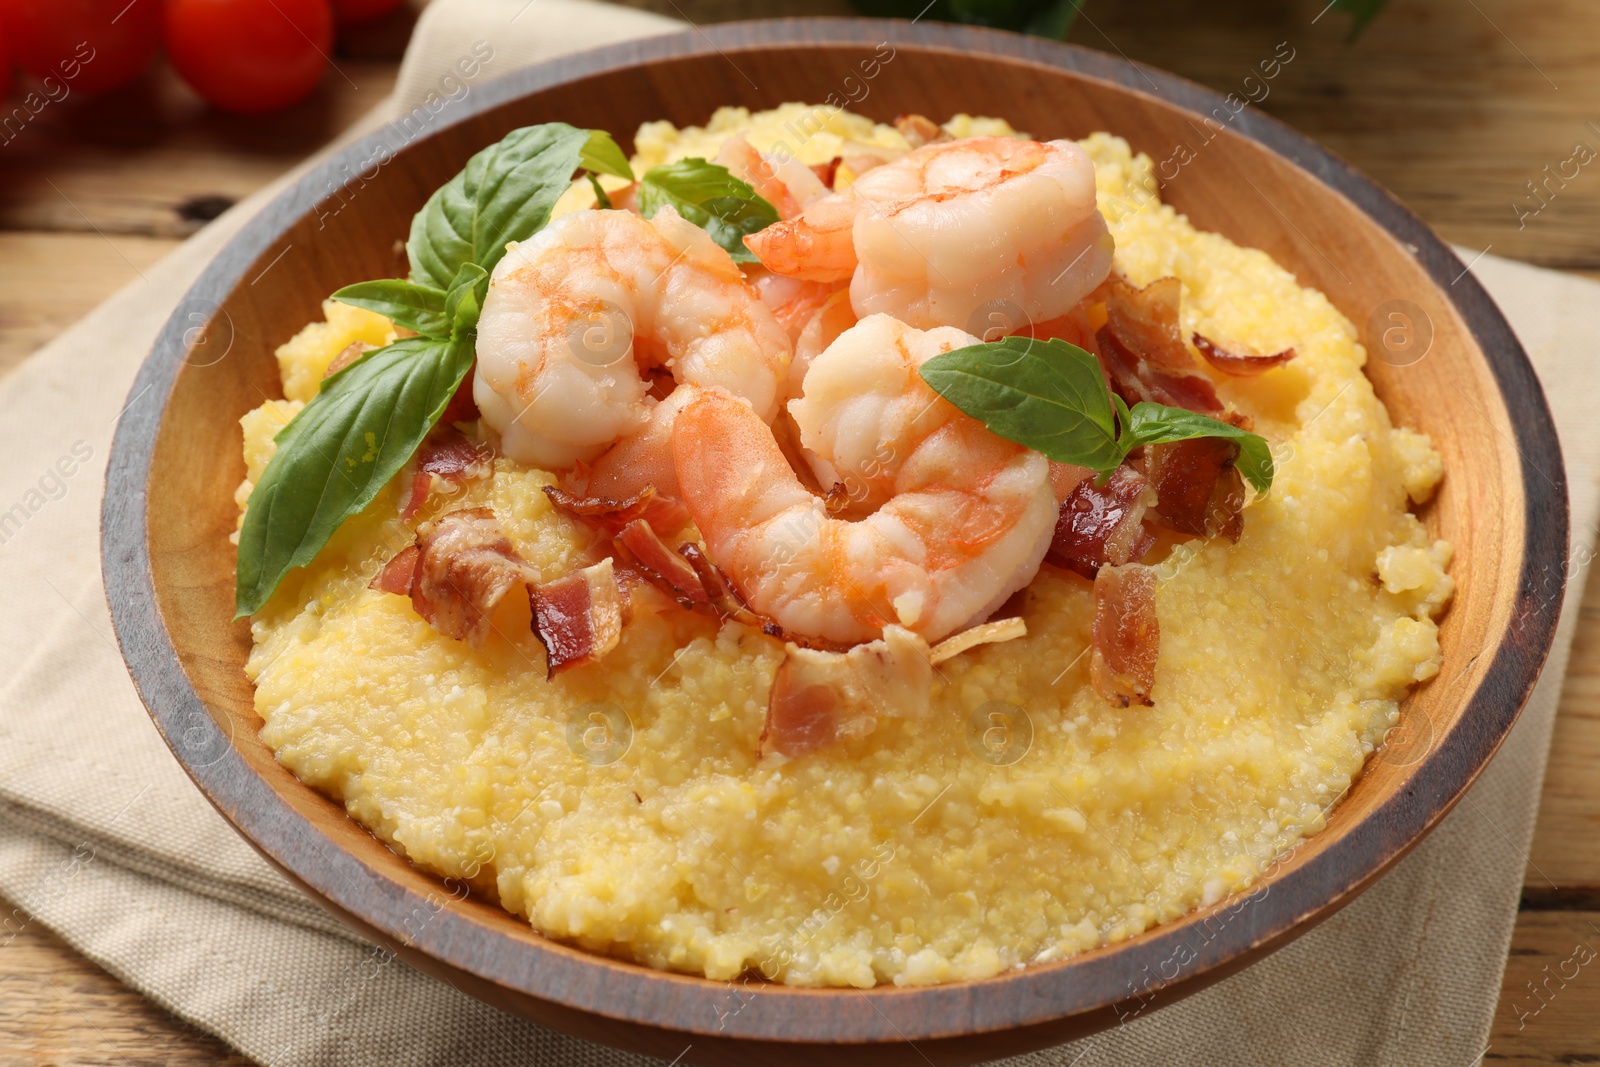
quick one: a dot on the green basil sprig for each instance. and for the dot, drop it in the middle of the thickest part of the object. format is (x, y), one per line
(710, 197)
(368, 420)
(339, 452)
(1051, 397)
(505, 194)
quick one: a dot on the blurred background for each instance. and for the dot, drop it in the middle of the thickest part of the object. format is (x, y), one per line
(1482, 115)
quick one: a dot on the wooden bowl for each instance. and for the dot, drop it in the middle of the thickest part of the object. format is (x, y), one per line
(169, 509)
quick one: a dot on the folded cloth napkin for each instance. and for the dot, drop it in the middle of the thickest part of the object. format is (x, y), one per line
(104, 839)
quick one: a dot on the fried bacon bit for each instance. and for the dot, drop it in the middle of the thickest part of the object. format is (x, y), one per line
(1239, 364)
(1065, 477)
(827, 172)
(919, 130)
(724, 602)
(1125, 634)
(446, 455)
(660, 565)
(462, 408)
(397, 575)
(1100, 525)
(579, 617)
(1198, 489)
(822, 698)
(1143, 351)
(464, 567)
(347, 355)
(665, 514)
(985, 633)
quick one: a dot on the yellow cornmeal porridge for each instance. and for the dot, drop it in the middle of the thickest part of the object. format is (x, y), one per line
(905, 857)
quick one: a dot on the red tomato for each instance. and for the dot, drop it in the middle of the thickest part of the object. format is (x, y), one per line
(89, 46)
(5, 63)
(250, 56)
(348, 11)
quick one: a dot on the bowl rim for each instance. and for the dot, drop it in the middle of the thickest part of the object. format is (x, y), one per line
(1033, 996)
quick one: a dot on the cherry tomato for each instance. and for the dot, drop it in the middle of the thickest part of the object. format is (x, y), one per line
(88, 45)
(348, 11)
(250, 56)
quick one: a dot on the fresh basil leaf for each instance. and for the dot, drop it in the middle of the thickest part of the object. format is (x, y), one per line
(505, 194)
(416, 307)
(1149, 424)
(1047, 395)
(601, 199)
(339, 452)
(711, 198)
(465, 299)
(601, 155)
(1051, 397)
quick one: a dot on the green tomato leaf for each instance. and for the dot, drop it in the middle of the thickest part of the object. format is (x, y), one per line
(711, 198)
(339, 452)
(601, 155)
(416, 307)
(1047, 395)
(505, 194)
(1149, 424)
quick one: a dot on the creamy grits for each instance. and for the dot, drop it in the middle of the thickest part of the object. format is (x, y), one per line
(925, 852)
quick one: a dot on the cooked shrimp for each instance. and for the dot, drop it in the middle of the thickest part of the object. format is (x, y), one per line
(965, 516)
(792, 302)
(783, 181)
(954, 227)
(820, 329)
(577, 314)
(816, 245)
(642, 458)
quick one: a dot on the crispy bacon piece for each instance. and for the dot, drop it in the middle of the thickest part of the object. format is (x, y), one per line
(1239, 364)
(462, 408)
(821, 698)
(464, 567)
(724, 602)
(1100, 525)
(579, 617)
(661, 566)
(1065, 477)
(919, 130)
(449, 456)
(397, 575)
(1125, 634)
(347, 355)
(992, 632)
(665, 514)
(1142, 349)
(1198, 488)
(828, 171)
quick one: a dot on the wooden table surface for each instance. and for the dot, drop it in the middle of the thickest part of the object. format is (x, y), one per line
(1454, 105)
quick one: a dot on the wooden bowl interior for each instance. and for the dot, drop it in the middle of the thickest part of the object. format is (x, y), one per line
(1232, 185)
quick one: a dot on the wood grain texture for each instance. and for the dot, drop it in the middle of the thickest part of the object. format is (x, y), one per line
(50, 280)
(169, 568)
(1552, 984)
(58, 1008)
(1452, 130)
(156, 161)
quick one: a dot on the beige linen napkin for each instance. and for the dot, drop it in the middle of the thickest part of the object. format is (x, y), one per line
(104, 839)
